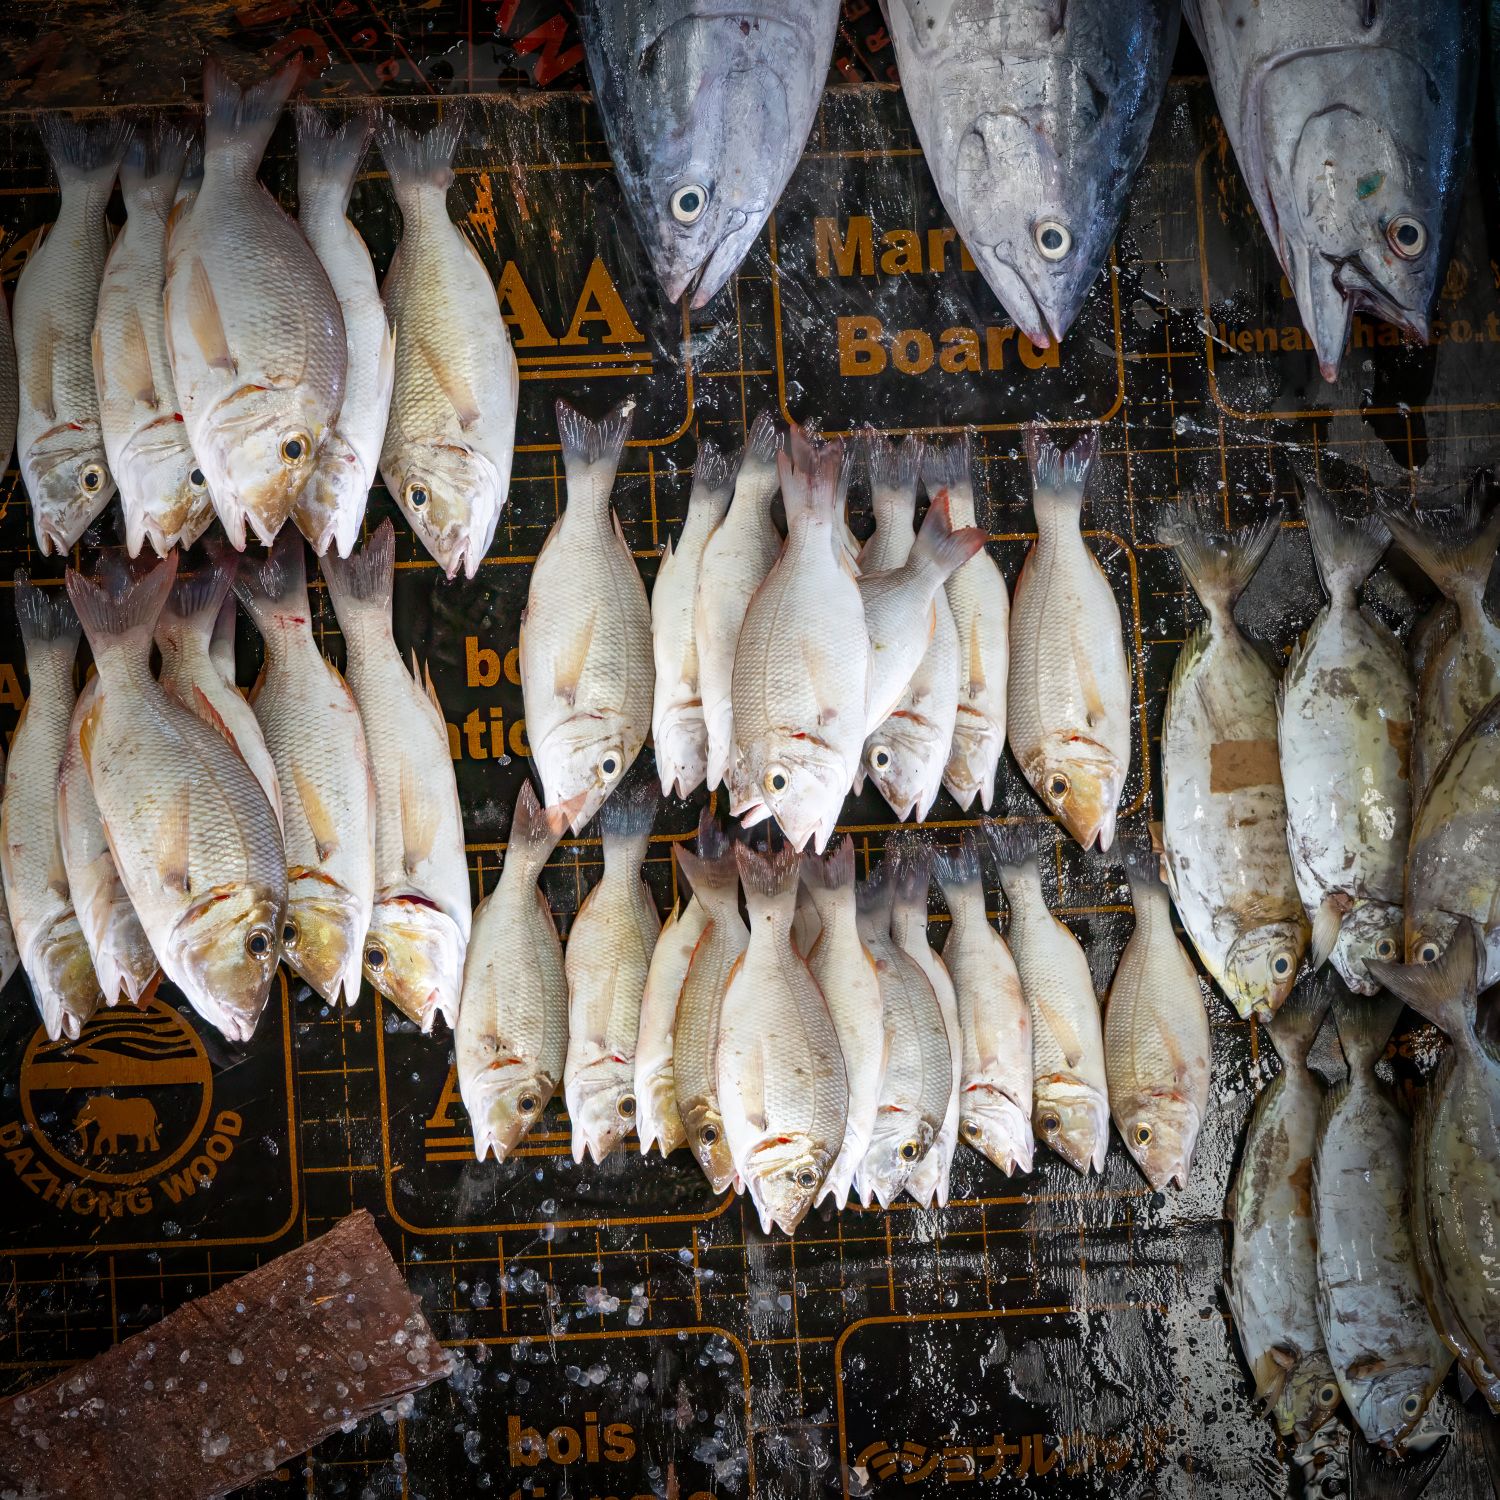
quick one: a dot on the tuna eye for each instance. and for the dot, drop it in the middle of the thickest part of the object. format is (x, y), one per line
(258, 943)
(196, 479)
(1281, 965)
(626, 1106)
(91, 478)
(1412, 1405)
(1143, 1134)
(1057, 786)
(807, 1178)
(1385, 948)
(910, 1150)
(294, 447)
(375, 957)
(880, 757)
(1328, 1394)
(1053, 240)
(288, 933)
(416, 496)
(688, 203)
(1049, 1123)
(777, 780)
(1408, 236)
(1427, 953)
(527, 1104)
(709, 1134)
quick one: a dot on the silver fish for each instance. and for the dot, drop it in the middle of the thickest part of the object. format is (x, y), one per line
(658, 1120)
(706, 111)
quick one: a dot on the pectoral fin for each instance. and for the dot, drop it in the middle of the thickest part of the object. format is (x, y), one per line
(132, 369)
(319, 819)
(460, 395)
(419, 823)
(38, 371)
(205, 322)
(567, 668)
(172, 847)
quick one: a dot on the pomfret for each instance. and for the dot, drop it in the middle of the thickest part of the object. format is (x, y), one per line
(586, 668)
(706, 111)
(1034, 119)
(414, 953)
(658, 1120)
(58, 438)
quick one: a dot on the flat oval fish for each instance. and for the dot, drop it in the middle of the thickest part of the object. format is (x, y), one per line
(706, 111)
(1034, 118)
(1350, 121)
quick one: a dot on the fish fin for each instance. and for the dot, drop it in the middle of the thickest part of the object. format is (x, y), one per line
(831, 871)
(1293, 1028)
(629, 813)
(268, 583)
(713, 478)
(893, 469)
(534, 829)
(769, 880)
(1345, 549)
(978, 682)
(329, 156)
(80, 152)
(47, 620)
(1218, 564)
(133, 365)
(1059, 475)
(1364, 1027)
(938, 546)
(417, 160)
(457, 390)
(211, 716)
(1443, 992)
(419, 826)
(812, 477)
(205, 320)
(751, 1076)
(153, 161)
(243, 120)
(363, 582)
(1327, 923)
(130, 619)
(88, 728)
(196, 597)
(172, 846)
(567, 668)
(424, 681)
(1325, 1056)
(948, 468)
(593, 449)
(1454, 550)
(319, 819)
(38, 372)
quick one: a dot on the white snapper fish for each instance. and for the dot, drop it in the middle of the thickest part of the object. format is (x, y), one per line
(658, 1122)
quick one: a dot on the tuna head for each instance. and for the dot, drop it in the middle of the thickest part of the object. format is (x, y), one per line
(69, 483)
(782, 1175)
(994, 1123)
(414, 955)
(1080, 781)
(1372, 929)
(802, 785)
(504, 1100)
(322, 933)
(1160, 1130)
(451, 495)
(1073, 1119)
(223, 955)
(1261, 967)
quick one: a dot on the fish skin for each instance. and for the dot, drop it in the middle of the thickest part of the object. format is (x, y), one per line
(1034, 115)
(778, 1066)
(316, 743)
(511, 1039)
(1070, 682)
(1344, 721)
(420, 925)
(331, 508)
(254, 331)
(658, 1120)
(10, 390)
(1345, 119)
(607, 962)
(1272, 1277)
(696, 97)
(1225, 855)
(58, 437)
(163, 492)
(48, 936)
(995, 1078)
(450, 433)
(679, 733)
(195, 841)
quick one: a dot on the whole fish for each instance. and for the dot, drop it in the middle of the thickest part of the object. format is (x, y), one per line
(715, 881)
(10, 393)
(678, 731)
(1069, 702)
(1344, 716)
(1386, 1356)
(1273, 1264)
(1034, 119)
(658, 1120)
(980, 605)
(1225, 860)
(450, 435)
(779, 1069)
(586, 669)
(1350, 123)
(607, 961)
(736, 559)
(194, 838)
(801, 667)
(163, 492)
(994, 1020)
(316, 742)
(331, 507)
(845, 973)
(1158, 1056)
(706, 112)
(414, 952)
(512, 1032)
(1455, 1167)
(254, 330)
(1070, 1109)
(52, 947)
(123, 961)
(58, 438)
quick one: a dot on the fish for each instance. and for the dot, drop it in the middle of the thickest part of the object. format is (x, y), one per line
(254, 331)
(917, 1083)
(1387, 1358)
(331, 508)
(58, 437)
(678, 731)
(221, 645)
(736, 559)
(450, 433)
(48, 936)
(10, 390)
(163, 493)
(658, 1121)
(313, 733)
(1273, 1261)
(778, 1065)
(1034, 120)
(706, 112)
(1455, 1167)
(1351, 127)
(419, 929)
(994, 1020)
(1070, 1099)
(846, 974)
(586, 666)
(714, 878)
(194, 838)
(1158, 1056)
(512, 1034)
(1069, 692)
(1344, 723)
(800, 690)
(607, 961)
(1224, 818)
(124, 964)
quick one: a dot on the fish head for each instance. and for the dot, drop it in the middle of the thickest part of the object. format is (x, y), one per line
(659, 1120)
(972, 760)
(414, 955)
(63, 980)
(1073, 1119)
(681, 751)
(258, 447)
(451, 496)
(1428, 934)
(1299, 1389)
(1160, 1129)
(602, 1108)
(69, 482)
(177, 506)
(322, 934)
(783, 1174)
(899, 759)
(901, 1140)
(227, 946)
(1372, 929)
(995, 1124)
(1080, 782)
(1261, 966)
(582, 760)
(1387, 1395)
(801, 783)
(504, 1097)
(333, 500)
(710, 1146)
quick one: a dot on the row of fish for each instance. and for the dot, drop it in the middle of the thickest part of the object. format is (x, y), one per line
(220, 359)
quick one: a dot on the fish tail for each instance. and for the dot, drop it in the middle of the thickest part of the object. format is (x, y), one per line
(1058, 475)
(1014, 845)
(711, 871)
(49, 623)
(938, 546)
(1219, 564)
(948, 468)
(1364, 1026)
(269, 583)
(1454, 550)
(629, 814)
(875, 895)
(814, 477)
(153, 161)
(124, 619)
(910, 856)
(769, 879)
(1444, 991)
(416, 161)
(764, 442)
(242, 120)
(1142, 867)
(195, 597)
(832, 871)
(893, 467)
(713, 478)
(593, 448)
(1294, 1026)
(1346, 549)
(957, 866)
(534, 830)
(328, 157)
(365, 580)
(83, 153)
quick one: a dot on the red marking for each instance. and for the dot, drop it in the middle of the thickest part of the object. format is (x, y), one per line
(548, 39)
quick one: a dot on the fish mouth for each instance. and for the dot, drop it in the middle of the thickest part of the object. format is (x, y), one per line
(1330, 290)
(1017, 298)
(700, 284)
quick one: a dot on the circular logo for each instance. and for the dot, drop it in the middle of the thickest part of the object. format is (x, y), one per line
(124, 1102)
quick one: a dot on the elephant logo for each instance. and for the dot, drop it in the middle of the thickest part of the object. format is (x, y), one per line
(113, 1118)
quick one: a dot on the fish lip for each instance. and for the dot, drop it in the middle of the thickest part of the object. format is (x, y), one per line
(1019, 301)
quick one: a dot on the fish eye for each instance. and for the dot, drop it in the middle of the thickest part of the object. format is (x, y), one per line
(1408, 236)
(910, 1150)
(1053, 240)
(91, 478)
(1385, 948)
(1328, 1393)
(709, 1134)
(294, 448)
(527, 1104)
(374, 956)
(777, 780)
(626, 1106)
(1428, 953)
(258, 942)
(416, 495)
(288, 932)
(1412, 1405)
(1142, 1134)
(807, 1178)
(689, 202)
(971, 1129)
(609, 766)
(196, 479)
(1057, 786)
(1049, 1123)
(1281, 965)
(880, 757)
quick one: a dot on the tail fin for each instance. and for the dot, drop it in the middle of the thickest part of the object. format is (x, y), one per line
(84, 153)
(1443, 992)
(628, 816)
(1454, 550)
(938, 546)
(1142, 869)
(765, 440)
(417, 161)
(911, 859)
(152, 164)
(893, 468)
(1219, 564)
(362, 584)
(592, 450)
(534, 832)
(1364, 1026)
(875, 897)
(267, 584)
(833, 871)
(812, 478)
(1014, 845)
(192, 169)
(956, 867)
(769, 879)
(48, 622)
(1345, 550)
(1059, 475)
(328, 159)
(195, 598)
(711, 872)
(241, 121)
(1294, 1026)
(948, 468)
(713, 484)
(124, 622)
